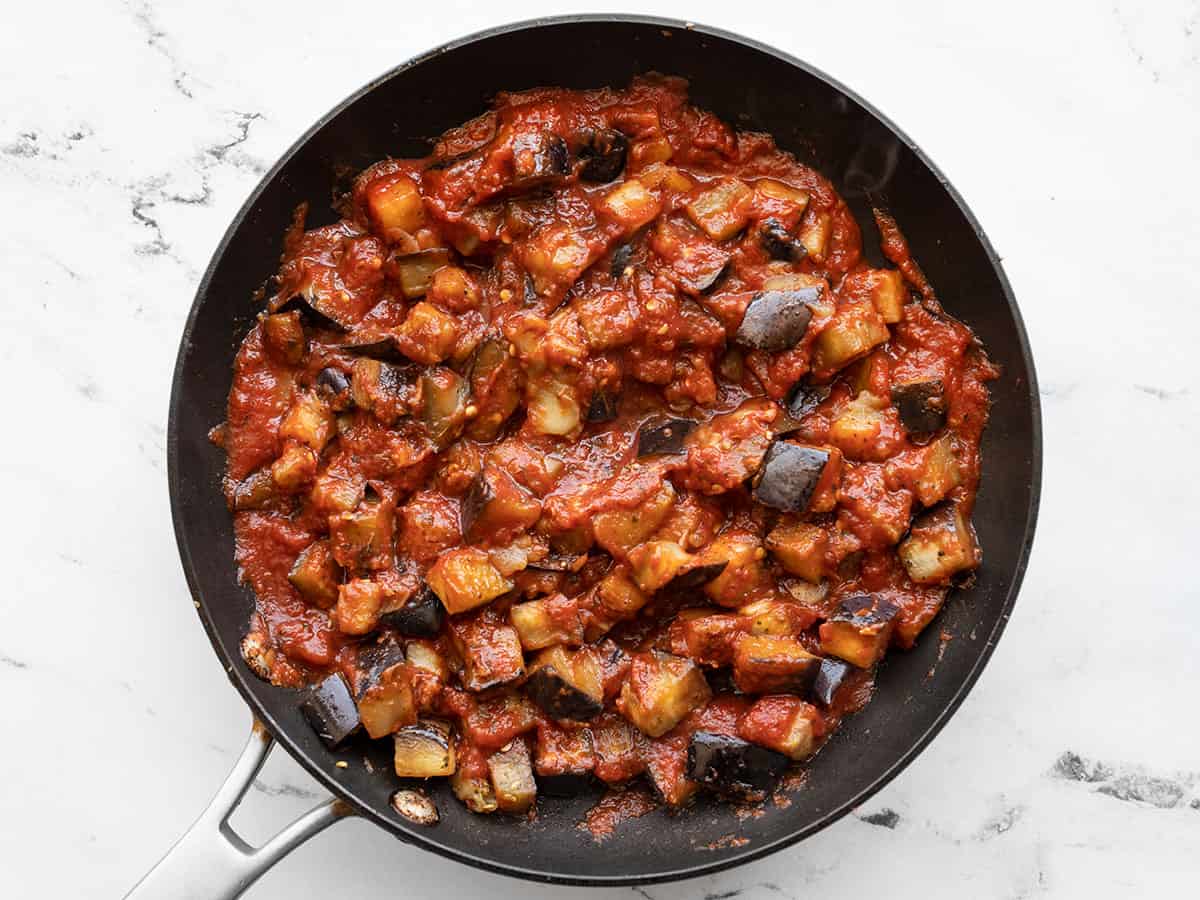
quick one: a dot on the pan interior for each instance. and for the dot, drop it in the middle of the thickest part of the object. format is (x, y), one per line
(823, 126)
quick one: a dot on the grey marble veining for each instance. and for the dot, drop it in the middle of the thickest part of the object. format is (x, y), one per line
(130, 132)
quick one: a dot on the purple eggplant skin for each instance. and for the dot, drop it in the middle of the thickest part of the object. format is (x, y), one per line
(374, 659)
(804, 398)
(421, 616)
(556, 562)
(663, 436)
(334, 386)
(865, 610)
(921, 404)
(308, 312)
(695, 578)
(331, 711)
(603, 156)
(779, 243)
(620, 260)
(478, 496)
(733, 766)
(603, 407)
(709, 281)
(829, 678)
(788, 476)
(776, 320)
(561, 699)
(538, 157)
(384, 349)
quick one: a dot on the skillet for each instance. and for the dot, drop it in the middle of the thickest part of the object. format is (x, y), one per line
(870, 163)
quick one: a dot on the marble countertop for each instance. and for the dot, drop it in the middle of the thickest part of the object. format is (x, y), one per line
(130, 132)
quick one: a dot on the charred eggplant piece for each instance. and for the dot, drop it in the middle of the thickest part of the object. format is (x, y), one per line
(420, 616)
(563, 761)
(512, 778)
(424, 750)
(490, 650)
(331, 712)
(496, 505)
(443, 405)
(829, 678)
(384, 688)
(921, 404)
(603, 407)
(779, 243)
(621, 258)
(860, 630)
(558, 562)
(789, 475)
(663, 436)
(538, 157)
(940, 544)
(770, 664)
(733, 766)
(695, 577)
(776, 320)
(254, 491)
(316, 574)
(804, 398)
(661, 690)
(284, 336)
(565, 689)
(603, 156)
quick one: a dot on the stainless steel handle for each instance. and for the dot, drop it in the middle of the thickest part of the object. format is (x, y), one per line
(211, 861)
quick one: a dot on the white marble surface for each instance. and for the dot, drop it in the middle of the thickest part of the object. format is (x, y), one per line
(131, 131)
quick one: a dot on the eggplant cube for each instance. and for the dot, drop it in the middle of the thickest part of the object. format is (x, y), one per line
(603, 156)
(733, 766)
(475, 793)
(941, 544)
(776, 320)
(804, 398)
(384, 687)
(921, 404)
(421, 615)
(783, 723)
(362, 539)
(496, 506)
(566, 687)
(620, 530)
(512, 778)
(330, 710)
(860, 631)
(490, 651)
(661, 690)
(424, 750)
(538, 157)
(465, 578)
(800, 549)
(547, 621)
(666, 437)
(721, 211)
(789, 475)
(831, 676)
(853, 332)
(770, 664)
(316, 575)
(939, 473)
(657, 563)
(563, 760)
(284, 336)
(310, 421)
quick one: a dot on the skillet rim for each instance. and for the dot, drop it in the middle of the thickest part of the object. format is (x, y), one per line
(422, 839)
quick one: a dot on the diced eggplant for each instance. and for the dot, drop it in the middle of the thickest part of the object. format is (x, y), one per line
(663, 436)
(921, 404)
(284, 336)
(334, 387)
(829, 678)
(789, 475)
(768, 664)
(313, 312)
(776, 320)
(420, 616)
(783, 723)
(512, 778)
(443, 405)
(941, 544)
(330, 710)
(621, 258)
(706, 638)
(415, 271)
(496, 383)
(707, 280)
(853, 332)
(563, 760)
(415, 806)
(776, 617)
(617, 746)
(805, 397)
(733, 766)
(362, 538)
(546, 621)
(603, 156)
(661, 690)
(859, 631)
(496, 506)
(475, 793)
(539, 157)
(295, 469)
(553, 407)
(779, 243)
(721, 211)
(939, 473)
(620, 530)
(465, 578)
(559, 562)
(424, 750)
(385, 390)
(489, 648)
(656, 563)
(800, 548)
(693, 577)
(566, 686)
(384, 688)
(667, 770)
(255, 491)
(603, 406)
(309, 421)
(394, 204)
(744, 572)
(316, 574)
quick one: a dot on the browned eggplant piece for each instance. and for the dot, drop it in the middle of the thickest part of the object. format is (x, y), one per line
(940, 544)
(424, 750)
(563, 760)
(475, 792)
(559, 562)
(695, 577)
(603, 156)
(316, 574)
(773, 664)
(496, 505)
(829, 678)
(921, 404)
(776, 320)
(512, 778)
(490, 650)
(663, 436)
(859, 631)
(443, 404)
(708, 280)
(621, 257)
(661, 690)
(566, 687)
(362, 538)
(804, 398)
(334, 387)
(255, 491)
(331, 712)
(732, 766)
(495, 387)
(538, 157)
(415, 271)
(779, 243)
(789, 475)
(386, 390)
(384, 688)
(420, 616)
(546, 621)
(603, 406)
(310, 312)
(284, 336)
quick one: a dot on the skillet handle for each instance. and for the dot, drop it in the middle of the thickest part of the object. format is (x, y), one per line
(211, 861)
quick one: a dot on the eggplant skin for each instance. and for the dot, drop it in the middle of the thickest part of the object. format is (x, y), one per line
(421, 616)
(309, 313)
(776, 320)
(603, 156)
(865, 611)
(921, 404)
(804, 398)
(560, 698)
(829, 678)
(663, 436)
(478, 496)
(374, 660)
(779, 243)
(620, 260)
(603, 407)
(788, 476)
(733, 766)
(695, 577)
(333, 385)
(331, 711)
